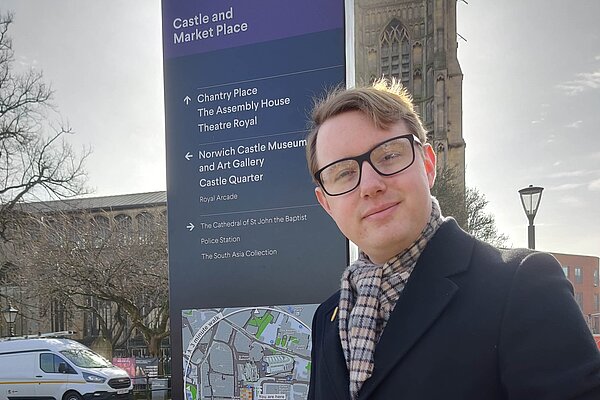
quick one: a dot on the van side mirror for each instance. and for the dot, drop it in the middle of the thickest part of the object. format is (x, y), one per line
(62, 368)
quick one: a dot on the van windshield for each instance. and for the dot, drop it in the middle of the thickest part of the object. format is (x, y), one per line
(86, 358)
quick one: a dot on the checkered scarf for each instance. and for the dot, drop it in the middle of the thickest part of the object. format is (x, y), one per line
(368, 295)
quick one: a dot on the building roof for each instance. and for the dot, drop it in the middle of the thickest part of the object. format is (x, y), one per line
(116, 202)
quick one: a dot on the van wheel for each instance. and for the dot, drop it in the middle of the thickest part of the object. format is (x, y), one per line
(72, 396)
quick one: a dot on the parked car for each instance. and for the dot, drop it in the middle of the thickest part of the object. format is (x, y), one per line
(60, 369)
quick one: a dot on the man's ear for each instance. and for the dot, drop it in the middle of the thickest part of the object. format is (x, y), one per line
(429, 160)
(322, 198)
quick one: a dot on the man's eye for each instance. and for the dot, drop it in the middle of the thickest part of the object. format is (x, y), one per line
(391, 156)
(345, 174)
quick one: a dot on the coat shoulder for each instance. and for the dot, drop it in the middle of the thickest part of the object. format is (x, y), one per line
(515, 260)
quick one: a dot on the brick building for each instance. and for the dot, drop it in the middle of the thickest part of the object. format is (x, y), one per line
(583, 272)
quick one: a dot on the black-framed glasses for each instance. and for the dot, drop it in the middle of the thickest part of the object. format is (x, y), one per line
(387, 158)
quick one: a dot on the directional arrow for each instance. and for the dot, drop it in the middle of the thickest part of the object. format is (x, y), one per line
(187, 100)
(188, 156)
(190, 227)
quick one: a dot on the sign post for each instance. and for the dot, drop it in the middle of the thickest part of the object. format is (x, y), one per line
(251, 252)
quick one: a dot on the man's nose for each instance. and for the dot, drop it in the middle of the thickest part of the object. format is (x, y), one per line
(371, 182)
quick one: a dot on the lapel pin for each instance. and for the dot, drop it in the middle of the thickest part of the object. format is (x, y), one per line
(334, 314)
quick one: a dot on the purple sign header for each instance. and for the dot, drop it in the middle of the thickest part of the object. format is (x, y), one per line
(198, 26)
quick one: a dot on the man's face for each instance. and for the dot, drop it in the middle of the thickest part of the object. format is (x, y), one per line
(383, 215)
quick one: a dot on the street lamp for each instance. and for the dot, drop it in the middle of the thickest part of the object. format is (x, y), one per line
(530, 197)
(10, 316)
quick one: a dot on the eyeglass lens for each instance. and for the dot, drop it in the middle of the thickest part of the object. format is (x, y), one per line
(387, 159)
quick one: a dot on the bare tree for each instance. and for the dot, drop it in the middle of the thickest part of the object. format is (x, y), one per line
(112, 268)
(450, 196)
(467, 208)
(480, 224)
(35, 160)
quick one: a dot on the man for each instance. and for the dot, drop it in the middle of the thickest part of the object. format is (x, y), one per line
(427, 311)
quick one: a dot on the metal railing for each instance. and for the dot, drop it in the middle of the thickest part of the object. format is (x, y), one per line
(152, 388)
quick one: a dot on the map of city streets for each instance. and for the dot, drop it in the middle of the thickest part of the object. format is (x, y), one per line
(247, 353)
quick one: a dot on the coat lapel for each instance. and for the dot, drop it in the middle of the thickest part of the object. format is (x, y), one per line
(426, 295)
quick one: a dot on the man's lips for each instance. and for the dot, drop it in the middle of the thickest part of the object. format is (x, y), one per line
(379, 210)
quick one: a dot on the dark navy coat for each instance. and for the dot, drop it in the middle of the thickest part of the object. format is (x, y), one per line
(473, 323)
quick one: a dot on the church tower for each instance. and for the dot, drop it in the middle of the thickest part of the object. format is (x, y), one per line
(415, 41)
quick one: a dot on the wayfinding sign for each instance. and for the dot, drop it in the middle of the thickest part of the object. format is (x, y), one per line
(251, 252)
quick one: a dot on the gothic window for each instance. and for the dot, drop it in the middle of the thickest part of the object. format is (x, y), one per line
(99, 313)
(417, 53)
(58, 316)
(106, 312)
(100, 230)
(395, 53)
(124, 227)
(77, 232)
(145, 222)
(428, 111)
(90, 319)
(418, 84)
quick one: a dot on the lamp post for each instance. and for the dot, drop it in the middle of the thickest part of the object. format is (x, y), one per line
(10, 316)
(530, 198)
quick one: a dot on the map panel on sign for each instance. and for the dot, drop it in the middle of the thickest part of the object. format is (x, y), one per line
(247, 352)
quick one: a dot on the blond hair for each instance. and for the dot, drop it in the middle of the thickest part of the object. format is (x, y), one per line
(385, 103)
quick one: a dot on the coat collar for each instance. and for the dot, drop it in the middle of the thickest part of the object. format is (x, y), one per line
(427, 293)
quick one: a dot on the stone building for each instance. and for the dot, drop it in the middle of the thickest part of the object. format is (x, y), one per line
(81, 225)
(415, 41)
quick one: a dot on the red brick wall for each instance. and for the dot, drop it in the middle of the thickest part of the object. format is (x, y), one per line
(588, 287)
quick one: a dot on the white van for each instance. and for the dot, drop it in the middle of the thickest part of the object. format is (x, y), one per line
(59, 369)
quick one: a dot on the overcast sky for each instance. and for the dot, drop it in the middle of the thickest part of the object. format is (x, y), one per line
(531, 101)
